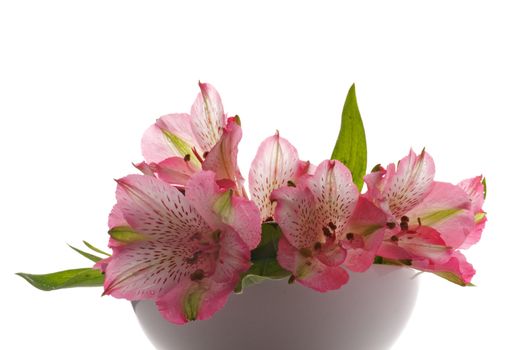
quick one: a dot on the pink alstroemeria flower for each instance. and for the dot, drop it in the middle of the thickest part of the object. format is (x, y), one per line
(427, 220)
(179, 145)
(275, 165)
(186, 252)
(325, 225)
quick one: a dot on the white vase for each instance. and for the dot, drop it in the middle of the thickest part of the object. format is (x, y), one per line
(368, 313)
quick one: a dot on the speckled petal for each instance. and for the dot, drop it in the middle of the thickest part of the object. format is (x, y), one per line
(156, 209)
(407, 186)
(275, 164)
(335, 196)
(295, 214)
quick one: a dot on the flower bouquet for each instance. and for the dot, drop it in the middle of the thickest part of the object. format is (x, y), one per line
(186, 233)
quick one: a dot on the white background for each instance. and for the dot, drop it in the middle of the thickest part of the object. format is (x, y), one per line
(80, 83)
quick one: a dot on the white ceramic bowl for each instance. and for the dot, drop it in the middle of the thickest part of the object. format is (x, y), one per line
(368, 313)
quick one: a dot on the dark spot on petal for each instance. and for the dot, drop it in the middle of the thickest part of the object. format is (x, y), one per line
(197, 275)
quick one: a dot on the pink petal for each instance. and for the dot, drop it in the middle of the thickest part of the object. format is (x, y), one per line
(310, 272)
(275, 164)
(446, 209)
(148, 269)
(425, 243)
(474, 236)
(194, 301)
(174, 170)
(295, 214)
(409, 184)
(474, 189)
(360, 259)
(335, 195)
(220, 208)
(331, 254)
(375, 182)
(208, 119)
(457, 264)
(145, 168)
(367, 224)
(116, 218)
(156, 209)
(170, 136)
(222, 158)
(233, 258)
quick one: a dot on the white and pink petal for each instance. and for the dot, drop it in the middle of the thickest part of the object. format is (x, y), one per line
(335, 195)
(276, 162)
(157, 210)
(207, 117)
(407, 185)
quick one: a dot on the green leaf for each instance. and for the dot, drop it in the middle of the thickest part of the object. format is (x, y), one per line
(260, 271)
(350, 147)
(453, 278)
(86, 277)
(264, 264)
(97, 250)
(484, 182)
(92, 257)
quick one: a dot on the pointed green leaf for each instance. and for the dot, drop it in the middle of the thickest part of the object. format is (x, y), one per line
(260, 271)
(484, 182)
(86, 277)
(92, 257)
(97, 250)
(350, 147)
